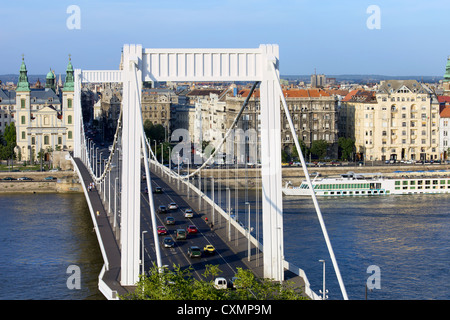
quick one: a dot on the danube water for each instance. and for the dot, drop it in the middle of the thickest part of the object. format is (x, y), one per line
(406, 237)
(41, 236)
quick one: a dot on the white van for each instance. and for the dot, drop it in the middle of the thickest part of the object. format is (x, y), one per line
(220, 283)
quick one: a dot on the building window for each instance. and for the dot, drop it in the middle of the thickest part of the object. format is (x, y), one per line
(46, 140)
(69, 134)
(22, 103)
(69, 103)
(69, 119)
(22, 120)
(23, 135)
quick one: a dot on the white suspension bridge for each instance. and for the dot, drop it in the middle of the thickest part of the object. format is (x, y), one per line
(117, 177)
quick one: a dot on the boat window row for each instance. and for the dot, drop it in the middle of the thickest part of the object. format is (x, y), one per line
(422, 182)
(340, 186)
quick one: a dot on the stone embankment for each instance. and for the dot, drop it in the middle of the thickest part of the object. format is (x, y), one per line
(63, 182)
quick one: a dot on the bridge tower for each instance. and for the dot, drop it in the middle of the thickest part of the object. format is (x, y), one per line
(257, 65)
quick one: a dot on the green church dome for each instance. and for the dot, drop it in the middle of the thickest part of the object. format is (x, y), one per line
(50, 75)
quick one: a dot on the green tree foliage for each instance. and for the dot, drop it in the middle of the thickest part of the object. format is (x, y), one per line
(179, 284)
(346, 147)
(319, 148)
(8, 142)
(154, 132)
(305, 150)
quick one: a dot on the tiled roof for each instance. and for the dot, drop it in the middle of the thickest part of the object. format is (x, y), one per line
(444, 99)
(360, 96)
(294, 93)
(445, 112)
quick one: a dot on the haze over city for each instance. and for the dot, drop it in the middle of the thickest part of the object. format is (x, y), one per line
(334, 37)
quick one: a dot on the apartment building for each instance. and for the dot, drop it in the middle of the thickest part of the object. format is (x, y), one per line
(401, 123)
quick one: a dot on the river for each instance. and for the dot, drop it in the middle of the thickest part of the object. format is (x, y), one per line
(41, 236)
(406, 237)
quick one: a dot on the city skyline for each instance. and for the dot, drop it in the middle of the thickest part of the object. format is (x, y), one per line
(368, 37)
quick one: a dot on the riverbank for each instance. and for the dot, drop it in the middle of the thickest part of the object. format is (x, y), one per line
(62, 182)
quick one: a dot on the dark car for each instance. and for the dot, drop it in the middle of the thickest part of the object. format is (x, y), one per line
(194, 252)
(158, 190)
(161, 209)
(49, 178)
(168, 242)
(170, 220)
(8, 179)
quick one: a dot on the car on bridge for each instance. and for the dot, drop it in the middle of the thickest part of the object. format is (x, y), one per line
(158, 190)
(172, 206)
(209, 249)
(161, 209)
(194, 252)
(181, 234)
(49, 178)
(168, 242)
(25, 179)
(192, 229)
(8, 179)
(170, 220)
(162, 230)
(188, 213)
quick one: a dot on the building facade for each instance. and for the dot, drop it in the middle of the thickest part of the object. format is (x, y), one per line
(444, 127)
(401, 123)
(313, 112)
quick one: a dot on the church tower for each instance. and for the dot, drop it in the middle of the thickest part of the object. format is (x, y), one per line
(68, 105)
(23, 113)
(446, 82)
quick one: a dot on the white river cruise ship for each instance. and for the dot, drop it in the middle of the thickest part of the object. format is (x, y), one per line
(371, 184)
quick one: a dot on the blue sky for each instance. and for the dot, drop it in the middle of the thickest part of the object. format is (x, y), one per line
(329, 35)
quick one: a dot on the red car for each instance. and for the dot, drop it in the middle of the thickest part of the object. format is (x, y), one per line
(162, 230)
(192, 229)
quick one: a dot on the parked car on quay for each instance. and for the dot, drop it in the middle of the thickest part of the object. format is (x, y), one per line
(25, 179)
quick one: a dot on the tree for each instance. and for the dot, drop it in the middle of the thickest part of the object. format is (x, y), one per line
(346, 147)
(303, 147)
(319, 148)
(179, 284)
(8, 142)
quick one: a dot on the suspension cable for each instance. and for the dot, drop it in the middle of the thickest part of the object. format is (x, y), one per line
(313, 195)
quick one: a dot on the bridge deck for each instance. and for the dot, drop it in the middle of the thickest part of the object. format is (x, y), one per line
(111, 247)
(238, 247)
